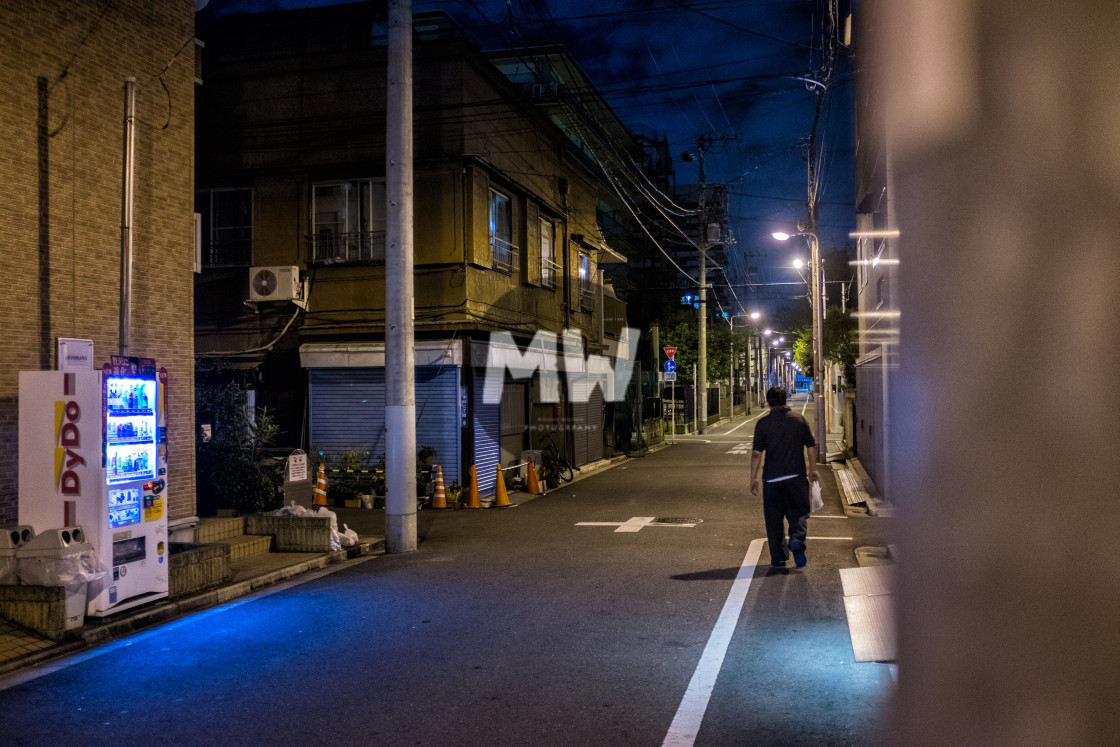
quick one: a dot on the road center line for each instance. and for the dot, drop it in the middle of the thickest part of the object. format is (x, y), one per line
(686, 723)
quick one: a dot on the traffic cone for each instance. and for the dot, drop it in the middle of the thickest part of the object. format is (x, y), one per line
(475, 500)
(501, 499)
(439, 498)
(320, 493)
(532, 486)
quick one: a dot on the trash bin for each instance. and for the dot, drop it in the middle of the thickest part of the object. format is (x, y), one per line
(61, 557)
(11, 538)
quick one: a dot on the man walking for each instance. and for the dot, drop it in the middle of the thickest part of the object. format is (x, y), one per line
(782, 435)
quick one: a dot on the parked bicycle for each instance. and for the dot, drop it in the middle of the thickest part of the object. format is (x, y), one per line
(555, 469)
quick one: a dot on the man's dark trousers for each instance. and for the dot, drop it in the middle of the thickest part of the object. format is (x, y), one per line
(782, 501)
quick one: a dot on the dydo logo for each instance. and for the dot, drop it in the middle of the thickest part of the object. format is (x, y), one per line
(68, 439)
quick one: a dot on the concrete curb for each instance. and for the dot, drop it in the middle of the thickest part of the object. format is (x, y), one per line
(130, 622)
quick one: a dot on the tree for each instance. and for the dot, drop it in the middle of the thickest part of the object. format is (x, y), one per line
(840, 332)
(230, 464)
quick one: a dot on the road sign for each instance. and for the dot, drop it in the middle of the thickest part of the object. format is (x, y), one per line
(670, 375)
(670, 365)
(670, 352)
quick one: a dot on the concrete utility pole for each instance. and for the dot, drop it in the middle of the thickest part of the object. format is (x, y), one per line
(400, 356)
(702, 358)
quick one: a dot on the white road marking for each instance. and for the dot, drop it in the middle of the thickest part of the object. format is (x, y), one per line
(686, 723)
(743, 448)
(633, 524)
(756, 417)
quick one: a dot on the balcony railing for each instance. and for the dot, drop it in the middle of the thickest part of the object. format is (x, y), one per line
(362, 246)
(550, 272)
(216, 254)
(504, 255)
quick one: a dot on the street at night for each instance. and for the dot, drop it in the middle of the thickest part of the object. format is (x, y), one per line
(511, 627)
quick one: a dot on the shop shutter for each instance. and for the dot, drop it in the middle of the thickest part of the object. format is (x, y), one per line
(487, 436)
(587, 418)
(437, 417)
(347, 411)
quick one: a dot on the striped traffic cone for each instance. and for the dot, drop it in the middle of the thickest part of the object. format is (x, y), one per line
(532, 485)
(320, 494)
(501, 498)
(439, 497)
(475, 500)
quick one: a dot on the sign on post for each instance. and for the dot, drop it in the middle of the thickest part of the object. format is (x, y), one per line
(670, 352)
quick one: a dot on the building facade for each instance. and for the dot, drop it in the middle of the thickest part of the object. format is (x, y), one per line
(62, 113)
(291, 154)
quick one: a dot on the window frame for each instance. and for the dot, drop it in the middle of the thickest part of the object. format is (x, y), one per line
(364, 245)
(504, 259)
(242, 251)
(549, 267)
(583, 275)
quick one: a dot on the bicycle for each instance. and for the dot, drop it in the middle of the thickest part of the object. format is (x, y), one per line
(555, 469)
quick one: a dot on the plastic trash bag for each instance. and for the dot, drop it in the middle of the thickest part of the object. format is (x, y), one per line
(815, 500)
(347, 537)
(71, 569)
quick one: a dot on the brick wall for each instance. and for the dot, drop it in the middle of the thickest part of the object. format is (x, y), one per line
(61, 154)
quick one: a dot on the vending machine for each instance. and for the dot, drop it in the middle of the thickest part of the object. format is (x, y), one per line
(93, 453)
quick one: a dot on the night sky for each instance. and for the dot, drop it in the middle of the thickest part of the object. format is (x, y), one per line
(699, 68)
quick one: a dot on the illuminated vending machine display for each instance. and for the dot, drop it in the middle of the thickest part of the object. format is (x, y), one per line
(93, 453)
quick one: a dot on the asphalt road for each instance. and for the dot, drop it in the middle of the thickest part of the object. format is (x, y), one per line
(510, 627)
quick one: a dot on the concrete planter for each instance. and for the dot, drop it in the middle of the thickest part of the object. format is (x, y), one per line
(293, 533)
(194, 568)
(38, 608)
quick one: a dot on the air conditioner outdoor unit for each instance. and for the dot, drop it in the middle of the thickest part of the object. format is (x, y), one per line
(274, 283)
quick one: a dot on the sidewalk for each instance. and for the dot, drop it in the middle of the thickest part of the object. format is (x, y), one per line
(21, 648)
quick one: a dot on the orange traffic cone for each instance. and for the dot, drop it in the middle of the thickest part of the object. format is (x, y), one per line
(532, 486)
(475, 500)
(320, 493)
(501, 498)
(439, 498)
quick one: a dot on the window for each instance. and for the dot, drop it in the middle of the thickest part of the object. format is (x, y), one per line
(584, 267)
(502, 249)
(227, 226)
(549, 269)
(348, 221)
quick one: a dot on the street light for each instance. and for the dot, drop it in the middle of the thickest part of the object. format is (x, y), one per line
(816, 298)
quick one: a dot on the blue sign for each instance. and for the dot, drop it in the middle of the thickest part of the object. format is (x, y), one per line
(670, 366)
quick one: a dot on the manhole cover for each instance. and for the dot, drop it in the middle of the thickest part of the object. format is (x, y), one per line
(675, 520)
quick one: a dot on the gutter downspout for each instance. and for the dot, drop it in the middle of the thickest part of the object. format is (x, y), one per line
(125, 333)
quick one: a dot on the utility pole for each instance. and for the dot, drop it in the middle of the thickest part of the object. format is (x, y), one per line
(702, 358)
(400, 355)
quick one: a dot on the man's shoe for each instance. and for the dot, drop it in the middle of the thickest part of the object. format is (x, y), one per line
(779, 564)
(798, 551)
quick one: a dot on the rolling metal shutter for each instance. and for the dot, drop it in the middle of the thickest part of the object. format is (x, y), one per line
(347, 411)
(437, 417)
(587, 418)
(487, 436)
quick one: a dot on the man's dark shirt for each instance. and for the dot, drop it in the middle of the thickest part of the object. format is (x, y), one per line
(782, 435)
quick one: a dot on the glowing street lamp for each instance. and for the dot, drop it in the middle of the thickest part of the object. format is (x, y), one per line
(816, 297)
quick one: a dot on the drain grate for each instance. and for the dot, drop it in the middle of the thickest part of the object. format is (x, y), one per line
(675, 520)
